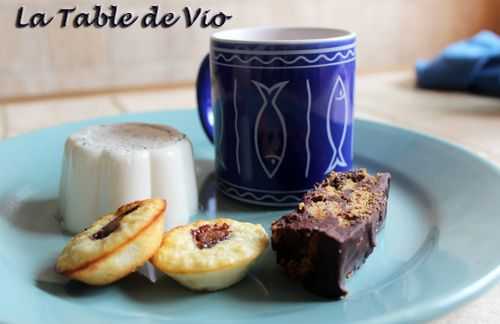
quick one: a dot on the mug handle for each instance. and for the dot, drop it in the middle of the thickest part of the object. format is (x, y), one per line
(204, 98)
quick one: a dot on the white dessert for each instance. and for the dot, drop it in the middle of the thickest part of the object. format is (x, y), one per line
(107, 166)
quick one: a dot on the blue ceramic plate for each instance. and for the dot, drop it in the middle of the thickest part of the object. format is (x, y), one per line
(438, 248)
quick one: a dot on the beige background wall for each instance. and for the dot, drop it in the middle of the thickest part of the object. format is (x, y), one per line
(392, 33)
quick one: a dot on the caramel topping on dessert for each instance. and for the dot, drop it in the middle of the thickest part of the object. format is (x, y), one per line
(346, 196)
(206, 236)
(114, 224)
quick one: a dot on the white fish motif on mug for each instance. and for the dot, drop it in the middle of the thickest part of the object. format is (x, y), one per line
(270, 136)
(337, 104)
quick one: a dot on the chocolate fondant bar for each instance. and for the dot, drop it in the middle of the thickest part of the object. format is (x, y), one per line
(332, 231)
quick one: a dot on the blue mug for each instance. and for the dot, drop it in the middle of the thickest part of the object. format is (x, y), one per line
(277, 103)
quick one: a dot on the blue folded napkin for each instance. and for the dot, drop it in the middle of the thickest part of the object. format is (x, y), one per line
(469, 65)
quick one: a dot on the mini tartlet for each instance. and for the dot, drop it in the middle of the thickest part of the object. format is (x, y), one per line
(210, 255)
(116, 244)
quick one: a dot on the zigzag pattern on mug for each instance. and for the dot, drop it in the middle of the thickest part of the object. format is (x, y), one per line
(343, 56)
(258, 198)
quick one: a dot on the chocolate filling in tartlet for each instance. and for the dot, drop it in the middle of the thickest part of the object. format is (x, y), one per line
(206, 236)
(332, 231)
(114, 224)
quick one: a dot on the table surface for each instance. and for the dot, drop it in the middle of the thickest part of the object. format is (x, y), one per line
(390, 97)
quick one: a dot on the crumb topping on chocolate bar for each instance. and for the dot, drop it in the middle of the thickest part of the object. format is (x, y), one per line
(207, 236)
(349, 197)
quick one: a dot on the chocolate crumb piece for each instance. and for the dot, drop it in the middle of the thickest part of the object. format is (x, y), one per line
(324, 241)
(207, 236)
(114, 224)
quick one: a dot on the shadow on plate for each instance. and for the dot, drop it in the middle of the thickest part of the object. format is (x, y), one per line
(212, 201)
(267, 283)
(165, 290)
(135, 286)
(70, 289)
(36, 216)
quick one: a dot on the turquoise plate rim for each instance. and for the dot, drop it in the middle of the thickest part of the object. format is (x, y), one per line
(424, 310)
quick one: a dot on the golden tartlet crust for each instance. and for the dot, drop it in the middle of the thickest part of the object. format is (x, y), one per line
(120, 251)
(178, 253)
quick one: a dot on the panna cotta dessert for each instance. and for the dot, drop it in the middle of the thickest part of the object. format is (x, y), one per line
(106, 166)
